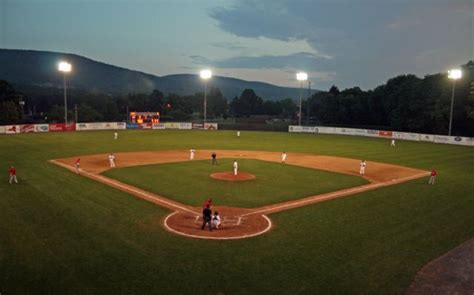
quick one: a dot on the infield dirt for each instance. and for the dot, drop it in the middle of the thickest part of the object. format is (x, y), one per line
(237, 222)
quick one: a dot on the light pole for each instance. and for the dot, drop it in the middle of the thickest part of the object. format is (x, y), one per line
(453, 75)
(205, 75)
(301, 76)
(65, 68)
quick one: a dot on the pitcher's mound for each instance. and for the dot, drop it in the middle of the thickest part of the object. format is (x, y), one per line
(229, 176)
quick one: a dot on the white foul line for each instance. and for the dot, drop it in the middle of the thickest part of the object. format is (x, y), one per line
(143, 194)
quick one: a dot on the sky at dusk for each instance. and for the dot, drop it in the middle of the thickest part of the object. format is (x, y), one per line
(343, 42)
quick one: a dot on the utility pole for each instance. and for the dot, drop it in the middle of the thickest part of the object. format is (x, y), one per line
(126, 116)
(308, 102)
(75, 112)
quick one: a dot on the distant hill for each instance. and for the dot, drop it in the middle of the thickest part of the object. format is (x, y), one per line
(39, 68)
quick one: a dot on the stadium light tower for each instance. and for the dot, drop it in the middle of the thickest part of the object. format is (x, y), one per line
(301, 76)
(65, 68)
(454, 75)
(205, 75)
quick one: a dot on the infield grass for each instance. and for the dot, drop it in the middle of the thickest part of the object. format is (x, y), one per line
(65, 234)
(189, 182)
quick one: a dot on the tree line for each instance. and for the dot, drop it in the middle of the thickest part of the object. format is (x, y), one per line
(405, 103)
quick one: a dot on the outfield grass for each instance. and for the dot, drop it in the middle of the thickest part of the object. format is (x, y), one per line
(61, 233)
(189, 182)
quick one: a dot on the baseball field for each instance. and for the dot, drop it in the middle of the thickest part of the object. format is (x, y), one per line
(104, 230)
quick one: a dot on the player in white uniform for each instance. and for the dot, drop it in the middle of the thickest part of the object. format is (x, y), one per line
(238, 133)
(191, 154)
(115, 135)
(362, 167)
(236, 167)
(392, 143)
(216, 220)
(112, 160)
(283, 157)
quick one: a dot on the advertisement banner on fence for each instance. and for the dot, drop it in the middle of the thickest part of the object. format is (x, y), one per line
(121, 125)
(373, 133)
(412, 136)
(62, 127)
(185, 126)
(159, 126)
(305, 129)
(383, 133)
(139, 126)
(198, 126)
(398, 135)
(406, 136)
(345, 131)
(41, 128)
(442, 139)
(179, 125)
(326, 130)
(12, 129)
(172, 125)
(207, 126)
(461, 140)
(210, 126)
(27, 128)
(426, 137)
(97, 126)
(2, 129)
(360, 132)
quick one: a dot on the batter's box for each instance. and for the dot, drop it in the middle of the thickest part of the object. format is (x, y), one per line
(225, 220)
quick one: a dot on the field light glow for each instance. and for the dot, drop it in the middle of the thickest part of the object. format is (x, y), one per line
(64, 67)
(455, 74)
(301, 76)
(206, 74)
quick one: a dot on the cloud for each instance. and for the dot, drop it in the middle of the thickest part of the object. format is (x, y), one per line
(301, 60)
(370, 40)
(229, 45)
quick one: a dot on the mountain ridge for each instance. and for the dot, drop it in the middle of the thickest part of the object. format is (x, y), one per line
(39, 68)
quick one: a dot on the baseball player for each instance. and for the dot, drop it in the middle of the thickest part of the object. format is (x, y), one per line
(238, 133)
(112, 160)
(362, 167)
(115, 135)
(214, 158)
(207, 203)
(283, 158)
(434, 173)
(392, 144)
(216, 220)
(206, 218)
(77, 164)
(12, 172)
(236, 167)
(191, 154)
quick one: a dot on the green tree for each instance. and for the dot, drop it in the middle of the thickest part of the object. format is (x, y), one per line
(86, 113)
(247, 104)
(9, 112)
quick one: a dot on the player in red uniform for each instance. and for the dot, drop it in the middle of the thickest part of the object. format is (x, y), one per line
(434, 173)
(207, 203)
(12, 172)
(77, 164)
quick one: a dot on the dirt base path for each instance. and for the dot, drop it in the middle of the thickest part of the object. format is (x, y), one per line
(229, 176)
(452, 273)
(237, 223)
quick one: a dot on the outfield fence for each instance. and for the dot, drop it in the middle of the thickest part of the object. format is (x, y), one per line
(61, 127)
(456, 140)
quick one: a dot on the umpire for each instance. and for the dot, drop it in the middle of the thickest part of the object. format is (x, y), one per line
(206, 217)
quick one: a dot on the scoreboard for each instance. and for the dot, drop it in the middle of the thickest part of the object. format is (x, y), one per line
(144, 117)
